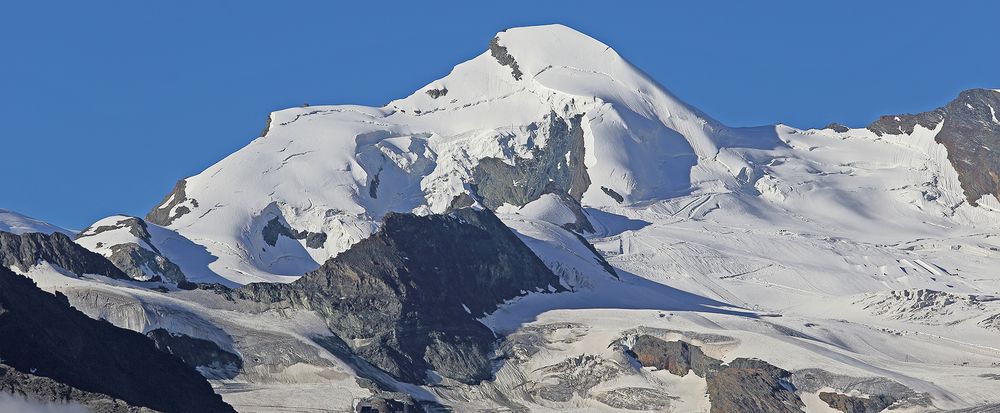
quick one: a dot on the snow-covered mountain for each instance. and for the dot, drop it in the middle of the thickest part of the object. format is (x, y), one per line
(542, 107)
(15, 223)
(857, 264)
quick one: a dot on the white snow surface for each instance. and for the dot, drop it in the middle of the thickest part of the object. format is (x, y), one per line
(808, 248)
(16, 223)
(315, 166)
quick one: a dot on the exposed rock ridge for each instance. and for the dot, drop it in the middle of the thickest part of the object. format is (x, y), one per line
(406, 299)
(171, 207)
(40, 333)
(504, 58)
(276, 228)
(140, 261)
(44, 389)
(970, 133)
(559, 165)
(26, 250)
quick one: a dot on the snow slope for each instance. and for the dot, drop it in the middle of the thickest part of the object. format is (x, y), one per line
(337, 169)
(16, 223)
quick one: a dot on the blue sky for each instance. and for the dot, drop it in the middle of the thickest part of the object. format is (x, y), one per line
(105, 104)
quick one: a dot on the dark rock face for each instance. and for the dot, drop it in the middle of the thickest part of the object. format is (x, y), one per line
(162, 216)
(752, 386)
(851, 404)
(677, 357)
(836, 127)
(406, 299)
(41, 333)
(880, 390)
(436, 93)
(742, 386)
(275, 228)
(614, 195)
(44, 389)
(27, 250)
(267, 127)
(971, 133)
(505, 59)
(384, 404)
(549, 168)
(133, 258)
(203, 355)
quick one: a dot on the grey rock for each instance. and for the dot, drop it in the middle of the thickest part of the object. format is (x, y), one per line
(267, 127)
(40, 333)
(814, 380)
(276, 228)
(970, 134)
(614, 195)
(836, 127)
(26, 250)
(389, 403)
(398, 299)
(436, 93)
(677, 357)
(132, 259)
(752, 386)
(851, 404)
(161, 215)
(203, 355)
(44, 389)
(135, 259)
(549, 168)
(504, 58)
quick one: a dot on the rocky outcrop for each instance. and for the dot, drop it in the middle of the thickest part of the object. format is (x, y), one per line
(741, 386)
(203, 355)
(752, 386)
(852, 404)
(875, 390)
(276, 228)
(614, 195)
(42, 335)
(406, 299)
(677, 357)
(970, 133)
(836, 127)
(172, 206)
(558, 166)
(504, 58)
(140, 258)
(43, 389)
(436, 93)
(27, 250)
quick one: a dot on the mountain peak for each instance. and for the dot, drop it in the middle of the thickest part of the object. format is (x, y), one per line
(533, 49)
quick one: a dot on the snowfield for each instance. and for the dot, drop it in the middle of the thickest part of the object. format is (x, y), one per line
(847, 252)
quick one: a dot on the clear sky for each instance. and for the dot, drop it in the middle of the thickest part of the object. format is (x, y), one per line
(105, 104)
